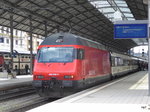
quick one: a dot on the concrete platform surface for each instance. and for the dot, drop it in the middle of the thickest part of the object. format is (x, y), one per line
(129, 93)
(19, 81)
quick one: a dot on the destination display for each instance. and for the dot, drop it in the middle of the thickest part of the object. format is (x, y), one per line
(123, 31)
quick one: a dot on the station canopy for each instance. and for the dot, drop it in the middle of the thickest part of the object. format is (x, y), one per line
(92, 19)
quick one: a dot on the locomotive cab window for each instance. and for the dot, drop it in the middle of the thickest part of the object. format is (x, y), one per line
(80, 53)
(56, 54)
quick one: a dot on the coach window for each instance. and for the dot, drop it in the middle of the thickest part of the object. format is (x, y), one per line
(116, 61)
(6, 56)
(132, 62)
(128, 62)
(125, 62)
(1, 40)
(16, 42)
(7, 41)
(112, 61)
(120, 61)
(14, 56)
(135, 62)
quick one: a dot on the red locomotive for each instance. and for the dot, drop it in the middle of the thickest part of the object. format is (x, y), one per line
(66, 63)
(1, 63)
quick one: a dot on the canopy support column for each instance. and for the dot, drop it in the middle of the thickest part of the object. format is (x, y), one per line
(11, 43)
(149, 47)
(31, 45)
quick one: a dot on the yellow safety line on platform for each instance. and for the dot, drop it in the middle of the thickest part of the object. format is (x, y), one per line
(141, 84)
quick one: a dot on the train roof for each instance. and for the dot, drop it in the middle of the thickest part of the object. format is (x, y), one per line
(114, 54)
(70, 39)
(20, 52)
(125, 56)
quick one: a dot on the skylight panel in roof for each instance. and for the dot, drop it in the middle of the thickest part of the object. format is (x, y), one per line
(120, 1)
(122, 5)
(128, 15)
(108, 7)
(110, 15)
(125, 9)
(108, 10)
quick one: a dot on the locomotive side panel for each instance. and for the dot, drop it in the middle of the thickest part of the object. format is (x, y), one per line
(97, 65)
(98, 62)
(1, 63)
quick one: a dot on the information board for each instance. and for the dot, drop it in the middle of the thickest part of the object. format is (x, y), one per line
(123, 31)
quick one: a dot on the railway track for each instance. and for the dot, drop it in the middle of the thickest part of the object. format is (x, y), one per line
(17, 92)
(32, 104)
(21, 104)
(20, 100)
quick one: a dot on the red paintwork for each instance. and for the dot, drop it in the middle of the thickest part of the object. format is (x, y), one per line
(1, 60)
(96, 63)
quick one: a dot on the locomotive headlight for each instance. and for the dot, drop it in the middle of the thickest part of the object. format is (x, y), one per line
(68, 76)
(40, 76)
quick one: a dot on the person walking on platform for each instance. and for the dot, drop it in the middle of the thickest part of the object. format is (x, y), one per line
(26, 68)
(10, 72)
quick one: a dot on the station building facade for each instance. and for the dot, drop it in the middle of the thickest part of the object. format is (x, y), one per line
(21, 40)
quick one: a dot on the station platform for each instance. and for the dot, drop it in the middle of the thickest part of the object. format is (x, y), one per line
(19, 81)
(129, 93)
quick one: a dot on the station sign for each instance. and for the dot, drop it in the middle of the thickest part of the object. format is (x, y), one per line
(130, 29)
